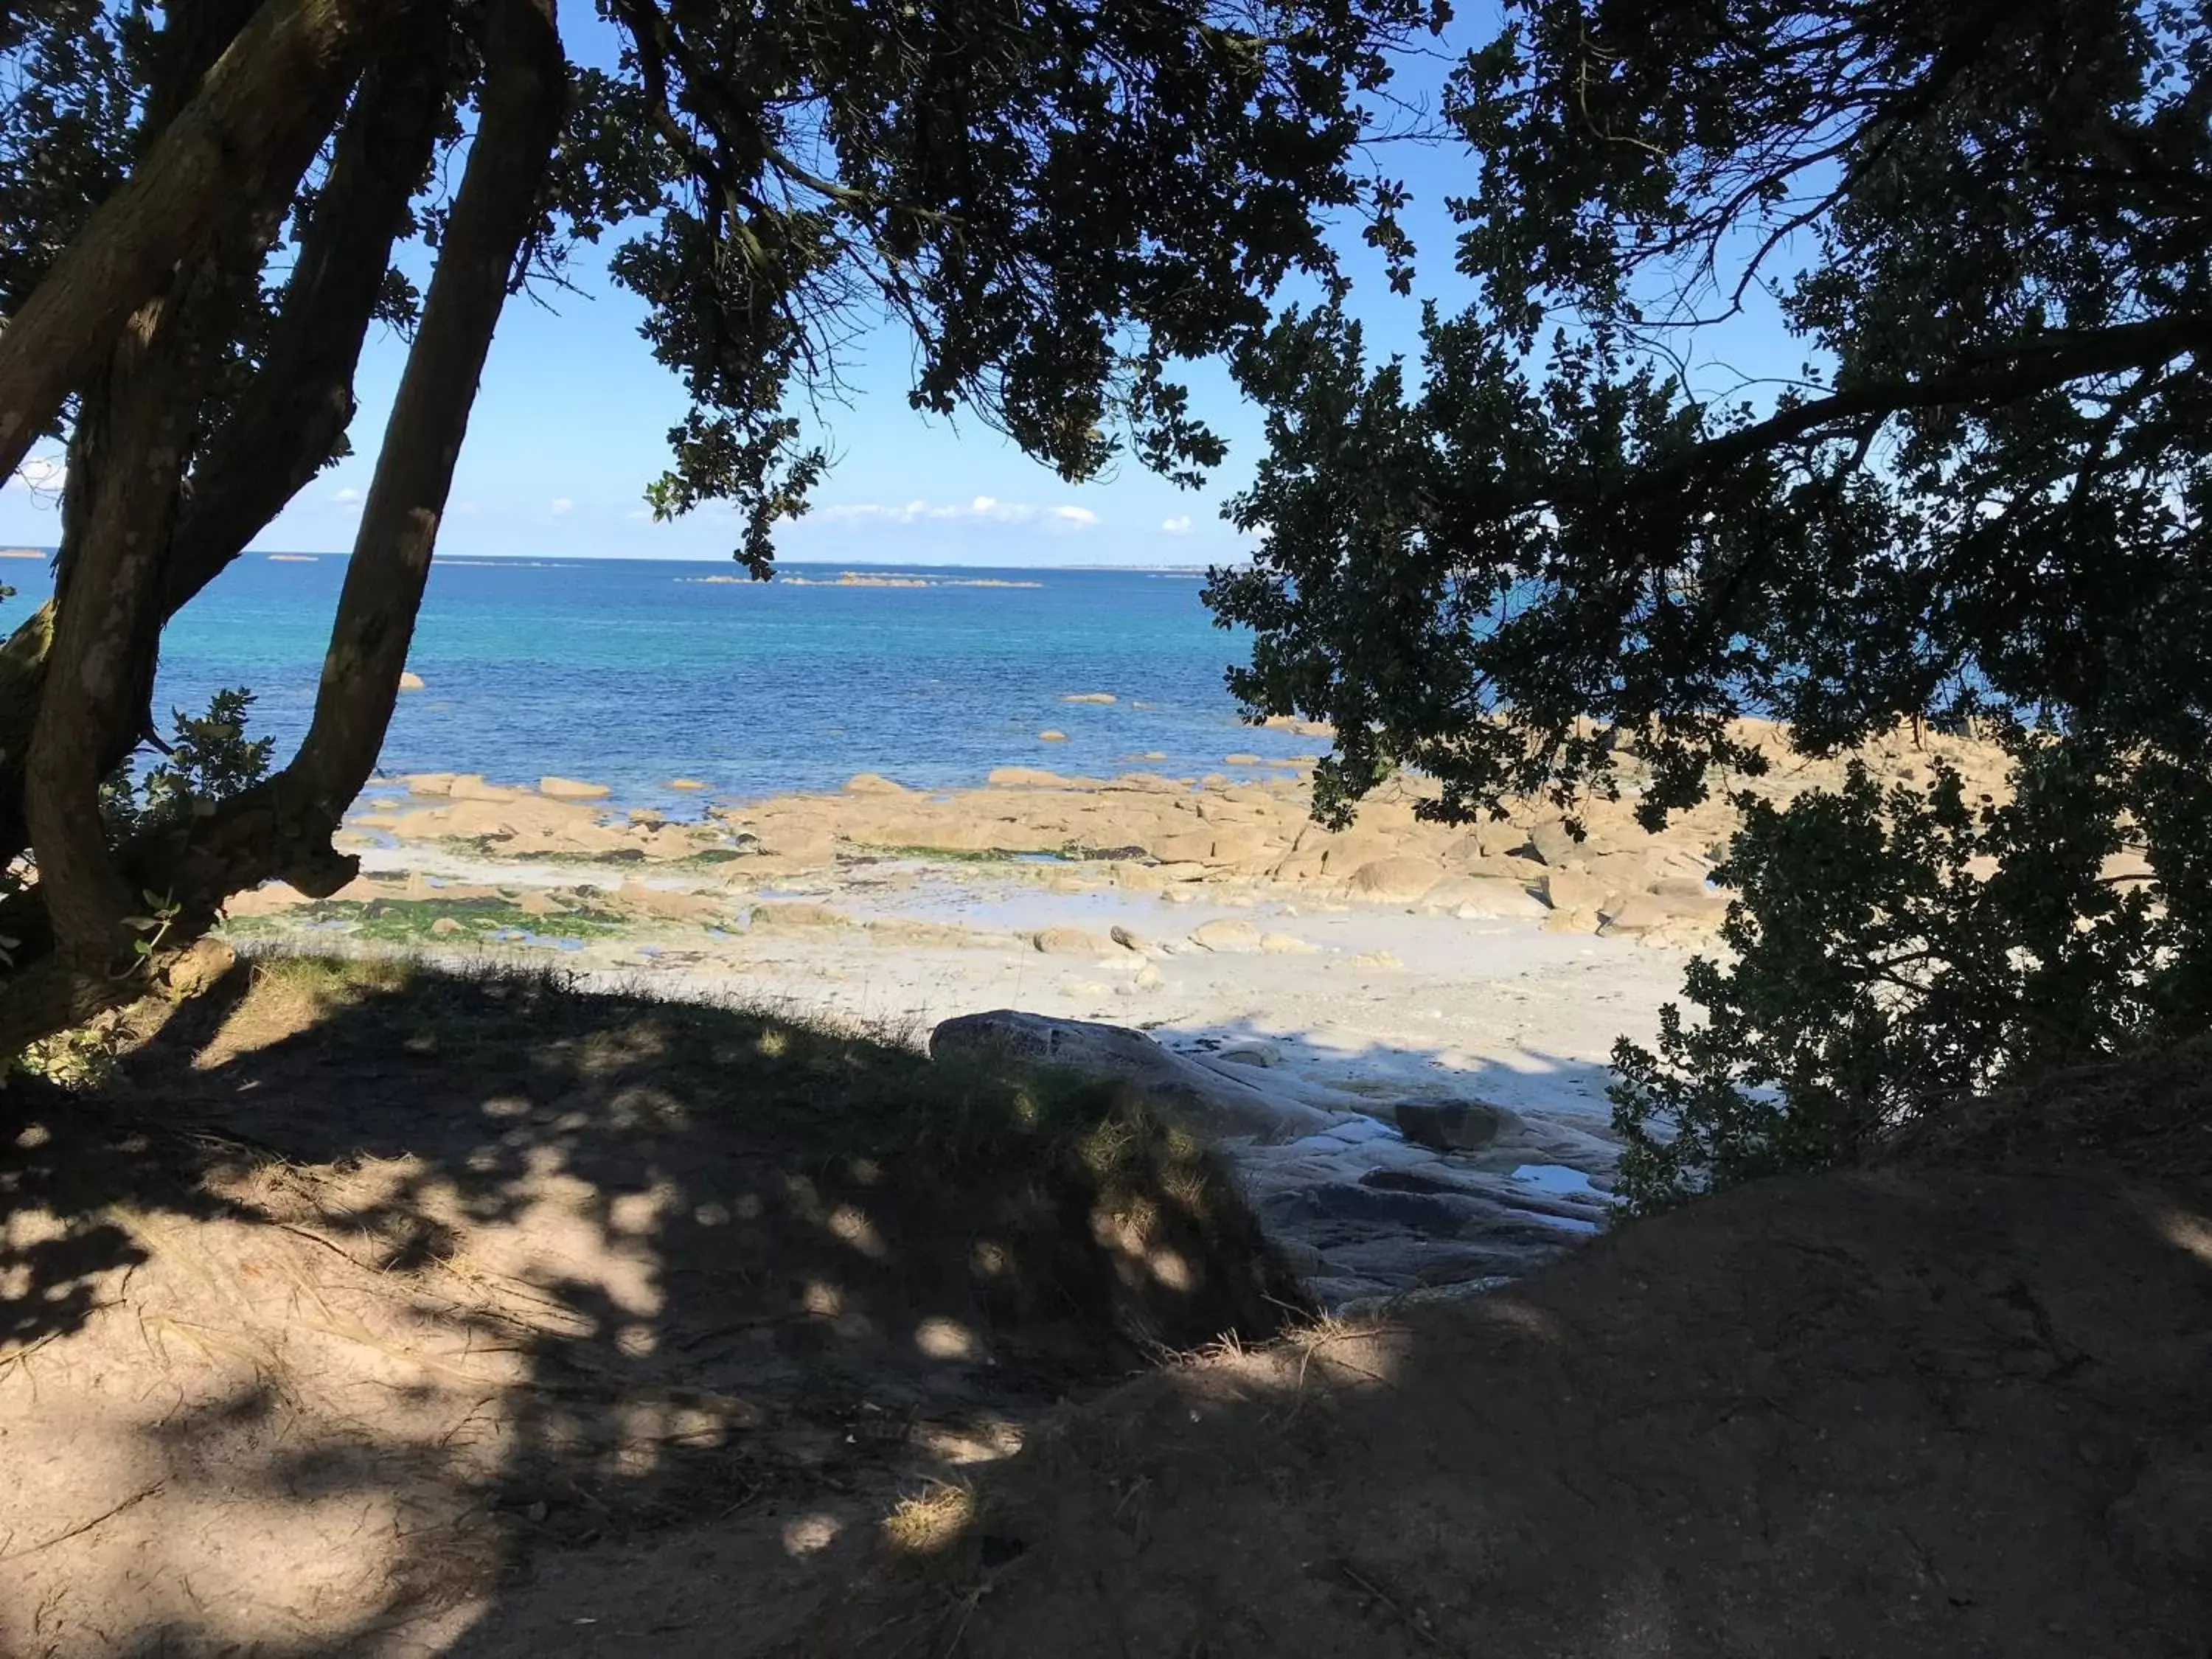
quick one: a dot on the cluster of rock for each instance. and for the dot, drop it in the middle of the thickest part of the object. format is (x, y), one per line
(1357, 1207)
(1144, 831)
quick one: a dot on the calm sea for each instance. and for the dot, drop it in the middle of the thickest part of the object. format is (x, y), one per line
(630, 673)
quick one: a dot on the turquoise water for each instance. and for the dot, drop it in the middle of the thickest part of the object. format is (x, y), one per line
(630, 673)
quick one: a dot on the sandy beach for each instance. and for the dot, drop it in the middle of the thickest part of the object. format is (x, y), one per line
(1410, 1021)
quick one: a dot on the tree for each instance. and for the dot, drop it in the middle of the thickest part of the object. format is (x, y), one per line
(203, 208)
(1552, 560)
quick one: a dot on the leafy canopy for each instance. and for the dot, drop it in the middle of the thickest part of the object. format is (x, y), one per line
(1981, 501)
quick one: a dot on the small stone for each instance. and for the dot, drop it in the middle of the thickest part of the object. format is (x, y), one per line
(445, 925)
(409, 680)
(1129, 939)
(1089, 696)
(1283, 945)
(1049, 736)
(1378, 959)
(685, 783)
(869, 783)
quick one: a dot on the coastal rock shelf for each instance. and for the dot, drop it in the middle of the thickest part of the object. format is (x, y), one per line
(1359, 1208)
(1397, 1032)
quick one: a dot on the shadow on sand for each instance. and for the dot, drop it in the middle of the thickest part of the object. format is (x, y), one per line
(373, 1310)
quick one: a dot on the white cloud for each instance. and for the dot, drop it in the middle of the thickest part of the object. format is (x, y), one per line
(347, 497)
(982, 509)
(1178, 526)
(562, 507)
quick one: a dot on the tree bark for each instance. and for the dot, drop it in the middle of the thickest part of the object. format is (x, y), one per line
(283, 828)
(261, 112)
(522, 109)
(293, 415)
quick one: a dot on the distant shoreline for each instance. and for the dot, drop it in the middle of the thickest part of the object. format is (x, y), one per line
(295, 555)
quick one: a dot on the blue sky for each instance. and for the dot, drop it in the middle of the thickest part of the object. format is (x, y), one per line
(569, 426)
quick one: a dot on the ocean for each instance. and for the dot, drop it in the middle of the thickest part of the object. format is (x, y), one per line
(630, 673)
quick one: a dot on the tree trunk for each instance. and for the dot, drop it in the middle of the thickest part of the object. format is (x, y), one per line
(260, 113)
(296, 411)
(522, 109)
(284, 827)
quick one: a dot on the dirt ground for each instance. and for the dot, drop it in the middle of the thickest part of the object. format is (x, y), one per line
(1921, 1413)
(371, 1310)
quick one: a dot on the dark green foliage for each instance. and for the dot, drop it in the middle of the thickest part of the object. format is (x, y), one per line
(209, 760)
(1899, 951)
(1982, 501)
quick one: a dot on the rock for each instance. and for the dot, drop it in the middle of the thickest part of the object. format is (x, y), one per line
(2165, 1519)
(1072, 942)
(1553, 845)
(1378, 959)
(273, 898)
(473, 788)
(1129, 939)
(1240, 759)
(1395, 880)
(868, 783)
(445, 927)
(1426, 1215)
(797, 916)
(1050, 736)
(675, 906)
(571, 789)
(1691, 898)
(1211, 1099)
(1570, 921)
(1574, 890)
(685, 783)
(926, 935)
(535, 901)
(430, 783)
(1149, 978)
(1089, 696)
(409, 680)
(1284, 944)
(1474, 898)
(1250, 1053)
(800, 849)
(1452, 1126)
(1024, 777)
(1231, 935)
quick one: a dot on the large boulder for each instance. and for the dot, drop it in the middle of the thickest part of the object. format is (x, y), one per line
(1231, 935)
(1074, 942)
(1551, 841)
(1219, 1102)
(1398, 880)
